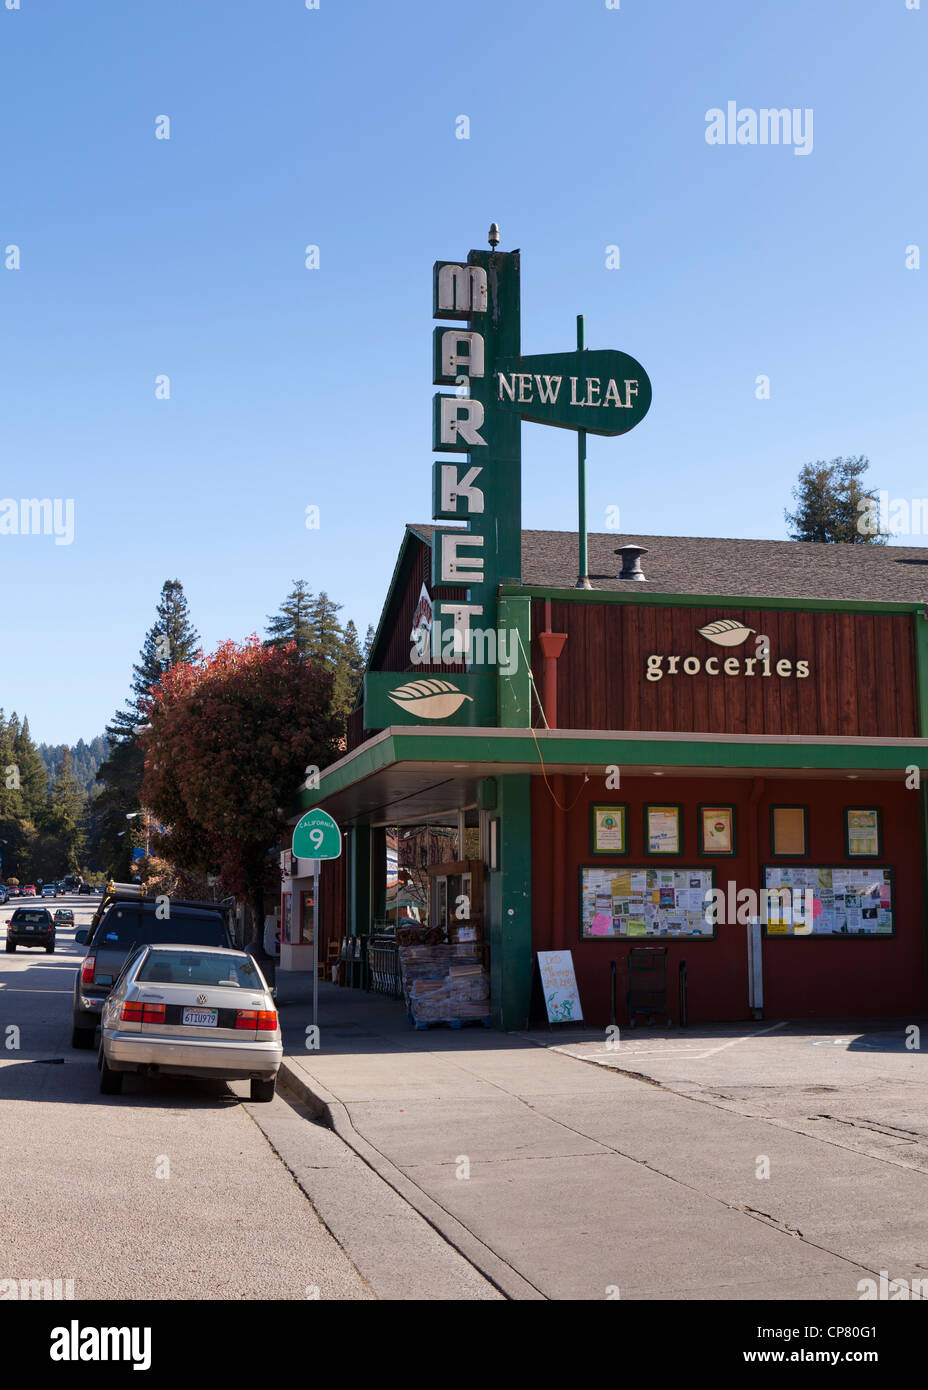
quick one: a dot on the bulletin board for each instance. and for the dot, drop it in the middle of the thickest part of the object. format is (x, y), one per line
(846, 901)
(629, 903)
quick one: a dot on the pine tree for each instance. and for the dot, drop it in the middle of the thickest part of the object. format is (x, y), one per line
(832, 504)
(327, 637)
(292, 622)
(63, 816)
(172, 639)
(351, 672)
(30, 771)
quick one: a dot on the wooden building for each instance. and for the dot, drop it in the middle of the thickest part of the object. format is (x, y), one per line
(750, 716)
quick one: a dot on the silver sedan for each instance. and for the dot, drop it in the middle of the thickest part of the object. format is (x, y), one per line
(201, 1011)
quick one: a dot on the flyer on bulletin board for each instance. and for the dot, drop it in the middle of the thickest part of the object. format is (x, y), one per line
(617, 903)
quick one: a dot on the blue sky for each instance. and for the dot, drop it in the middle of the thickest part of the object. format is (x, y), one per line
(291, 387)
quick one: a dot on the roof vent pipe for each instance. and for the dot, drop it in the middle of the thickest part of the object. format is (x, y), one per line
(631, 561)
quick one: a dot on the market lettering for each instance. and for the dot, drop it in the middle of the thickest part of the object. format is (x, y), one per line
(729, 666)
(526, 388)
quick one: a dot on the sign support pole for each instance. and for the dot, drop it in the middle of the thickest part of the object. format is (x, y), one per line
(583, 580)
(315, 942)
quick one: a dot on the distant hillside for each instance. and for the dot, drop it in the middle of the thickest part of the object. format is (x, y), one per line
(85, 759)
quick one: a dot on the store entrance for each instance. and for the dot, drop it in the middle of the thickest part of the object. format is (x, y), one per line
(429, 950)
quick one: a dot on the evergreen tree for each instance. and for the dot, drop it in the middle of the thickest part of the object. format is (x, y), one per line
(833, 505)
(172, 639)
(348, 680)
(292, 622)
(63, 816)
(327, 638)
(30, 770)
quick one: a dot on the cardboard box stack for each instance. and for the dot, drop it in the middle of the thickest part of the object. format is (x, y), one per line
(442, 983)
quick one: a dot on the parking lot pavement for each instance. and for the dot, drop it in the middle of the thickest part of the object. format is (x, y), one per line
(736, 1173)
(857, 1085)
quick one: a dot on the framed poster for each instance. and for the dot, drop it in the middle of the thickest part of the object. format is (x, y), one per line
(788, 830)
(837, 900)
(559, 986)
(608, 830)
(619, 903)
(863, 832)
(662, 832)
(716, 830)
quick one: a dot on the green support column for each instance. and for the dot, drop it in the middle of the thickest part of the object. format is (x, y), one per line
(515, 695)
(511, 905)
(379, 872)
(921, 659)
(923, 820)
(359, 892)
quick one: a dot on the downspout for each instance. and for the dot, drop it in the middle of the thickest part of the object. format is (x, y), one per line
(921, 667)
(552, 645)
(758, 785)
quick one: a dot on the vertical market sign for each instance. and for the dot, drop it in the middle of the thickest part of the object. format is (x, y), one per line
(602, 392)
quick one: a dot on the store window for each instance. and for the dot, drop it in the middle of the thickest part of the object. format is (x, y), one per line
(306, 917)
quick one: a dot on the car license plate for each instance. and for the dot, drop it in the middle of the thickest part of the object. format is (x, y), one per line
(201, 1018)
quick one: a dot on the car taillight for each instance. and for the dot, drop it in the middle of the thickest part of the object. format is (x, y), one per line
(260, 1020)
(131, 1012)
(87, 969)
(152, 1013)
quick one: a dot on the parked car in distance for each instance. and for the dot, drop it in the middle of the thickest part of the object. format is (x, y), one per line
(30, 926)
(48, 890)
(191, 1011)
(85, 888)
(120, 924)
(29, 891)
(64, 917)
(14, 890)
(4, 894)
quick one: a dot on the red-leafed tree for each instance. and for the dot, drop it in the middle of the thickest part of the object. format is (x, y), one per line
(228, 741)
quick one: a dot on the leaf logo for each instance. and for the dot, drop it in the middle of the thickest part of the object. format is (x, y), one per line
(431, 699)
(726, 632)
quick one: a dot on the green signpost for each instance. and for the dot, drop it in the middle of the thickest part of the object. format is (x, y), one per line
(316, 836)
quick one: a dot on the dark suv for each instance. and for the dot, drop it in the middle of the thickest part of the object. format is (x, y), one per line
(31, 926)
(119, 925)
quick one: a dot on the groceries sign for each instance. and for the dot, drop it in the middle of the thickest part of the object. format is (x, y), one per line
(496, 388)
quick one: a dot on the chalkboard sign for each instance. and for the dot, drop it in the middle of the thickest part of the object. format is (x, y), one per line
(559, 984)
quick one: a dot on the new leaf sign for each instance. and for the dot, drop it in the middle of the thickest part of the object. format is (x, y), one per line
(602, 392)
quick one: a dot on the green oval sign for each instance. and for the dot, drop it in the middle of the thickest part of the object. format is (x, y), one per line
(316, 836)
(602, 391)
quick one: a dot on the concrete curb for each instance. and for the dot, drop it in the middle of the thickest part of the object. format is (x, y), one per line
(324, 1106)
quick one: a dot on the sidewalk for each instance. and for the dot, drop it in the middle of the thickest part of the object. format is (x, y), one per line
(558, 1178)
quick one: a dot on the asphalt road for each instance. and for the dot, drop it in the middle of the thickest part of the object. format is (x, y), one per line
(170, 1190)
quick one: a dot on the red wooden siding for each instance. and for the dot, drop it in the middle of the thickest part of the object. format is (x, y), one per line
(393, 650)
(809, 978)
(862, 671)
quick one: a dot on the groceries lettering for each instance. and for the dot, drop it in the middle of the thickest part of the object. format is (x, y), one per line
(659, 666)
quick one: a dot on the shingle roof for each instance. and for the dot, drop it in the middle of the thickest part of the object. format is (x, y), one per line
(727, 566)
